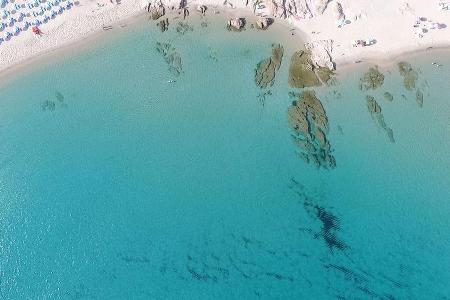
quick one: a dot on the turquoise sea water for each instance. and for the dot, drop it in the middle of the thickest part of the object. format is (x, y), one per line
(116, 184)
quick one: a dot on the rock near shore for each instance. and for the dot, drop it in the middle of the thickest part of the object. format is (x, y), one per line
(303, 9)
(267, 68)
(236, 24)
(309, 123)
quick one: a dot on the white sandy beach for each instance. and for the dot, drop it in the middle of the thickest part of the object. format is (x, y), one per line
(388, 23)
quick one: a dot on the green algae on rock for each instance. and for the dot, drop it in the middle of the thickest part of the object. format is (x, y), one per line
(267, 68)
(301, 71)
(388, 96)
(309, 122)
(372, 79)
(409, 75)
(171, 57)
(324, 74)
(376, 114)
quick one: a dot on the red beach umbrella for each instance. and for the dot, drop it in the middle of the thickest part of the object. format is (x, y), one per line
(36, 30)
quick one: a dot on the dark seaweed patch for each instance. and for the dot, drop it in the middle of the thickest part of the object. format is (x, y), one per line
(330, 223)
(133, 259)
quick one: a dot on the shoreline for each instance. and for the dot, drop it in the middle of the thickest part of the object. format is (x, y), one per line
(71, 47)
(132, 12)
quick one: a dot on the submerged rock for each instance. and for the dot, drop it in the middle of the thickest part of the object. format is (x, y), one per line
(372, 79)
(267, 68)
(409, 75)
(171, 57)
(163, 25)
(183, 28)
(419, 98)
(263, 95)
(377, 116)
(237, 24)
(59, 97)
(309, 123)
(388, 96)
(48, 105)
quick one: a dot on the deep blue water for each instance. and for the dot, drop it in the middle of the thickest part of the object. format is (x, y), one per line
(116, 184)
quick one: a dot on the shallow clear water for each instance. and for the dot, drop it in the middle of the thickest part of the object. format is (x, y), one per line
(130, 187)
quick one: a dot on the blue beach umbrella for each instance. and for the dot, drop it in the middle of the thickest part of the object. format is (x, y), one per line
(12, 21)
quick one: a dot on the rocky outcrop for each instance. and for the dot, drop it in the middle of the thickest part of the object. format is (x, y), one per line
(263, 23)
(321, 53)
(202, 9)
(372, 79)
(303, 9)
(303, 72)
(156, 11)
(377, 116)
(267, 68)
(339, 13)
(237, 24)
(309, 122)
(320, 6)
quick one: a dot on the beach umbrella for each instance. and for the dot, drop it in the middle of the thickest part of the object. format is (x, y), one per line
(17, 30)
